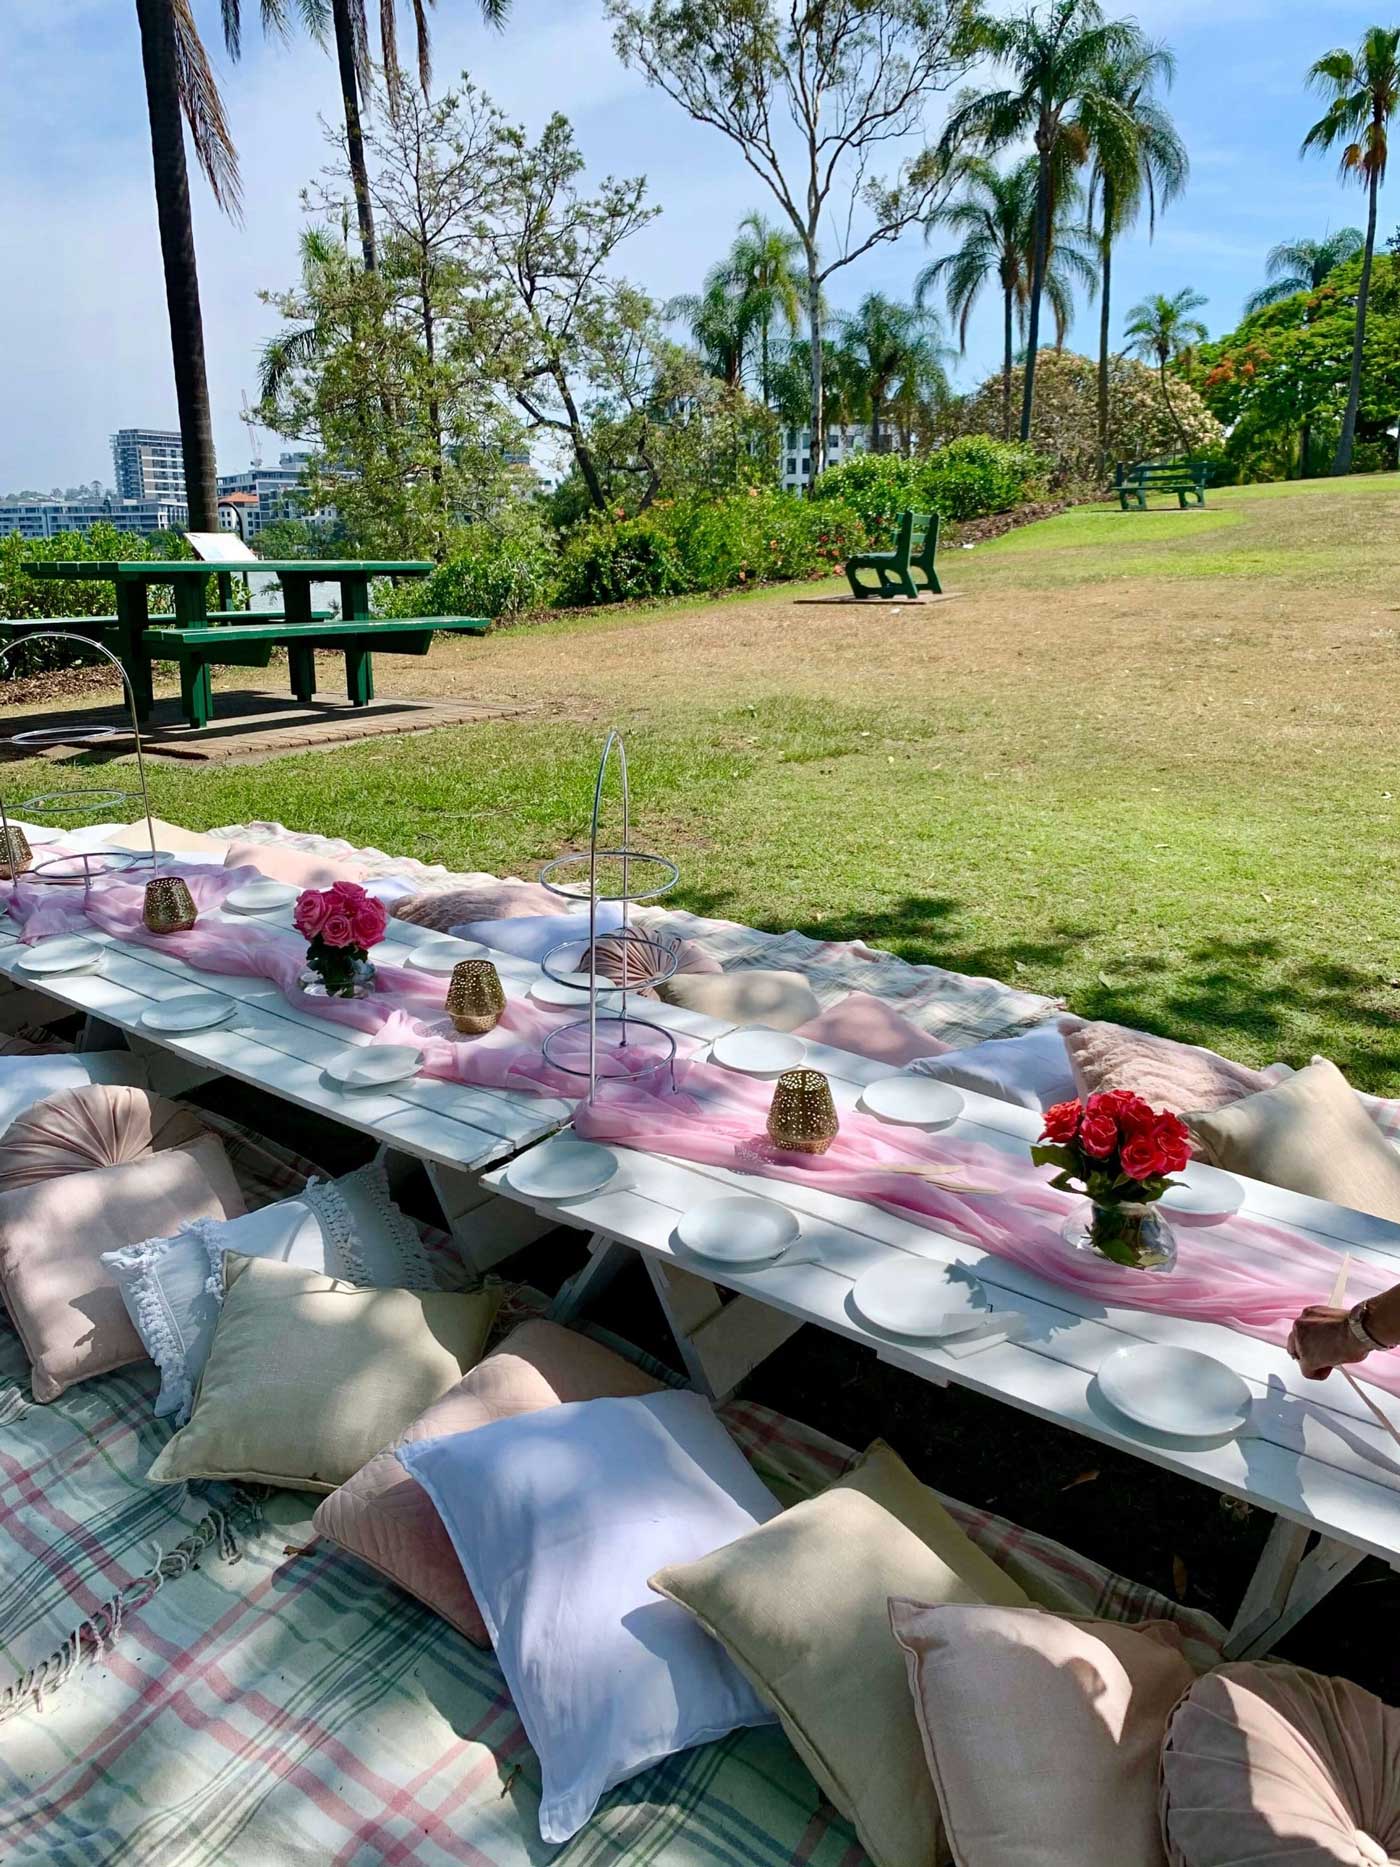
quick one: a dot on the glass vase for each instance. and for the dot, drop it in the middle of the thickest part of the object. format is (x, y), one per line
(1134, 1235)
(348, 977)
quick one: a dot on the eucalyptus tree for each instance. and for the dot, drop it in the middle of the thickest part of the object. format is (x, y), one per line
(812, 93)
(896, 354)
(1361, 90)
(1056, 57)
(1161, 330)
(994, 213)
(1295, 266)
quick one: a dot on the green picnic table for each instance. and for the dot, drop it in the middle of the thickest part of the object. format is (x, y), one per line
(197, 639)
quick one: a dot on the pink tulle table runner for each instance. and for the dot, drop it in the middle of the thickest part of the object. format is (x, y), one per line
(1246, 1273)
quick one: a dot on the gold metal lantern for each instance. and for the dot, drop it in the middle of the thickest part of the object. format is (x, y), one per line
(802, 1119)
(475, 997)
(168, 906)
(15, 854)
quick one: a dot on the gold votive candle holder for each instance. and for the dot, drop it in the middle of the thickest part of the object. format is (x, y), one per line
(475, 997)
(15, 854)
(802, 1119)
(169, 906)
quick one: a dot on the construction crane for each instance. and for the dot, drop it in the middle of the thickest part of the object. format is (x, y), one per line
(254, 445)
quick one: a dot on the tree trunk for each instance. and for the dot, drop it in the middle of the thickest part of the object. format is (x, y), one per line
(354, 139)
(1008, 361)
(158, 60)
(877, 433)
(1342, 463)
(583, 454)
(1042, 246)
(1105, 287)
(817, 457)
(1171, 408)
(1304, 450)
(763, 365)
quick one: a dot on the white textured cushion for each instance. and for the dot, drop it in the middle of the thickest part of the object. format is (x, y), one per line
(558, 1518)
(1032, 1071)
(173, 1288)
(27, 1080)
(530, 936)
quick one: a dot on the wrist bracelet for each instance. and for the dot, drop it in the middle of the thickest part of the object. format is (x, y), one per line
(1359, 1327)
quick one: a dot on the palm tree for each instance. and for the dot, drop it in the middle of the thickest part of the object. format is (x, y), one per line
(720, 320)
(995, 213)
(1295, 266)
(1362, 89)
(1057, 56)
(896, 355)
(1162, 329)
(1147, 165)
(763, 262)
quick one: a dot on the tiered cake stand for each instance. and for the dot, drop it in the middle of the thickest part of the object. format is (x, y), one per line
(89, 801)
(644, 959)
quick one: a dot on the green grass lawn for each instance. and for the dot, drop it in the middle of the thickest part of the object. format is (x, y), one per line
(1146, 762)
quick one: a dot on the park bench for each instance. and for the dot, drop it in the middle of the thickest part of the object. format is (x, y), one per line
(1185, 478)
(98, 627)
(197, 649)
(915, 548)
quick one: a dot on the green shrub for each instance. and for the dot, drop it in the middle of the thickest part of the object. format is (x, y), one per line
(24, 596)
(968, 479)
(488, 571)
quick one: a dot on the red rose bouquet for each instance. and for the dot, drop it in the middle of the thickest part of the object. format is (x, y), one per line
(1121, 1152)
(341, 924)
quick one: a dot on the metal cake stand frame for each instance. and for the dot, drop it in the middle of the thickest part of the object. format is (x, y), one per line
(81, 871)
(646, 959)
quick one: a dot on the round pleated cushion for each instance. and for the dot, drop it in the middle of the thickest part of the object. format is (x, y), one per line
(1268, 1766)
(99, 1125)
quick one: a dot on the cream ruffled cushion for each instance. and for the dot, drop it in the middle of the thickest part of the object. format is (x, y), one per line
(1268, 1766)
(486, 900)
(97, 1125)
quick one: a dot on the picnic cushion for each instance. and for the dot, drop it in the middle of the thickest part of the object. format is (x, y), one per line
(386, 1519)
(779, 1000)
(93, 1125)
(53, 1233)
(25, 1080)
(1183, 1078)
(1271, 1766)
(485, 900)
(868, 1027)
(1042, 1735)
(309, 1376)
(612, 957)
(297, 867)
(170, 839)
(801, 1606)
(1032, 1070)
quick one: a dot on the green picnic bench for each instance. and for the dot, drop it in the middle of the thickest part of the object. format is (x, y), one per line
(1185, 478)
(197, 650)
(98, 626)
(915, 548)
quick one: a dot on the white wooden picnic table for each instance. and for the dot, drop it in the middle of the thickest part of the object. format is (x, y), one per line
(1313, 1455)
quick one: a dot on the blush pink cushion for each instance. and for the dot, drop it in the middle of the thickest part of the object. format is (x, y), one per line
(297, 867)
(487, 900)
(97, 1125)
(1267, 1765)
(69, 1313)
(867, 1026)
(1042, 1734)
(388, 1521)
(1180, 1077)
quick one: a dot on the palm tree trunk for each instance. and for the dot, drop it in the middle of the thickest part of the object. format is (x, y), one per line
(1171, 408)
(814, 325)
(1304, 449)
(1008, 360)
(763, 365)
(354, 138)
(159, 63)
(1105, 288)
(1342, 463)
(1038, 264)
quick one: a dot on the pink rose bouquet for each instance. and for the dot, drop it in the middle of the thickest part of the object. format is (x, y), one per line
(1121, 1152)
(341, 924)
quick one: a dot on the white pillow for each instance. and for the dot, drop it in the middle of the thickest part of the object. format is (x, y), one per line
(1032, 1070)
(530, 936)
(27, 1080)
(173, 1288)
(558, 1519)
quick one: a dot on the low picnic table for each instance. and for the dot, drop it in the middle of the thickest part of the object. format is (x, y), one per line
(197, 639)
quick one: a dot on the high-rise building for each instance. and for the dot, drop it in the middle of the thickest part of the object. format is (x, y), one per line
(149, 463)
(795, 460)
(46, 518)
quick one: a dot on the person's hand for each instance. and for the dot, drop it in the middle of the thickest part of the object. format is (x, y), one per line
(1321, 1341)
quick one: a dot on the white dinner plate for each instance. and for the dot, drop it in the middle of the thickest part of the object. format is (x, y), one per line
(68, 953)
(37, 834)
(262, 897)
(1204, 1193)
(372, 1066)
(917, 1101)
(738, 1228)
(570, 993)
(910, 1296)
(759, 1052)
(1175, 1390)
(192, 1011)
(442, 955)
(567, 1169)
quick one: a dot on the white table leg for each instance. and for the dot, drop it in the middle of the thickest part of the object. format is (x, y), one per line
(606, 1259)
(1288, 1581)
(485, 1227)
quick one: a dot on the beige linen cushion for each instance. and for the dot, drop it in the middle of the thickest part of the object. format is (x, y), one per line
(868, 1027)
(1310, 1134)
(53, 1232)
(1180, 1077)
(388, 1520)
(800, 1605)
(308, 1377)
(1042, 1735)
(779, 1000)
(298, 868)
(169, 837)
(1268, 1766)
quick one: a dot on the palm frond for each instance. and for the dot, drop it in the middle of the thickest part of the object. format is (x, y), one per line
(204, 113)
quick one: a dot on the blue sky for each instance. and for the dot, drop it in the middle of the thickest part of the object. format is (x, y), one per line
(82, 316)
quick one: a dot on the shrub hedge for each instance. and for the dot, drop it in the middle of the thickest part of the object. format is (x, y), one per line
(24, 596)
(968, 479)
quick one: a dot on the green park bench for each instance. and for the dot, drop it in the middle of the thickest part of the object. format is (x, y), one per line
(198, 649)
(915, 548)
(99, 627)
(1185, 478)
